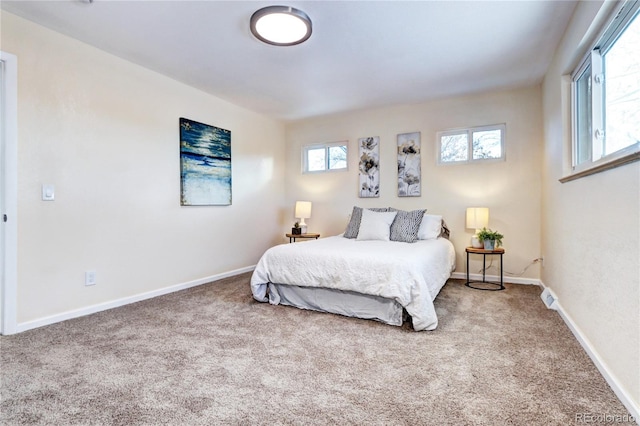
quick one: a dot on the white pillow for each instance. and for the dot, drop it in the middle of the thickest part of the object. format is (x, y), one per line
(375, 225)
(430, 227)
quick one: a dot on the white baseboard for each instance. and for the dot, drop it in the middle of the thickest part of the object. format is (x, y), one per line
(40, 322)
(496, 278)
(622, 395)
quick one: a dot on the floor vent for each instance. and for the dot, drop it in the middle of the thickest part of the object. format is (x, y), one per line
(550, 300)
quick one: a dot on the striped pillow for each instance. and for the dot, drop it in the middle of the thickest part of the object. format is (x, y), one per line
(406, 225)
(356, 218)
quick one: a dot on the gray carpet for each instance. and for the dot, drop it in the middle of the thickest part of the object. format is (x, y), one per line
(212, 355)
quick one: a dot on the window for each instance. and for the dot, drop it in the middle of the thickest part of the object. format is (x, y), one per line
(324, 157)
(606, 94)
(471, 145)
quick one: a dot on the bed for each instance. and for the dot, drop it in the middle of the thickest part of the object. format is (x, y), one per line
(371, 278)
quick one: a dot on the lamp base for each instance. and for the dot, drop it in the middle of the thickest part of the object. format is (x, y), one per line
(476, 243)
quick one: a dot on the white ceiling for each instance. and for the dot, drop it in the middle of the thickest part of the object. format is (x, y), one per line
(361, 54)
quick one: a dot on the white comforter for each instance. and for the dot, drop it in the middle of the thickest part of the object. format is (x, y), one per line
(412, 274)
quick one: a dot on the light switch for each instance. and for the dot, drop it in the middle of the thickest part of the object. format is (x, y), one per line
(48, 192)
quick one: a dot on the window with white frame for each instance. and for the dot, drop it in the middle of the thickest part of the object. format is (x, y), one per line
(324, 157)
(606, 94)
(474, 144)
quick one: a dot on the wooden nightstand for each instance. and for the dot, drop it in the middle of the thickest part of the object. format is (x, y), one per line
(292, 237)
(492, 286)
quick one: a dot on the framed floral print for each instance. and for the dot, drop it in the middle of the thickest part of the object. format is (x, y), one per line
(369, 167)
(409, 173)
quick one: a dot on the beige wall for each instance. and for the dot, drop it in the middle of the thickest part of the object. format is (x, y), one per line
(105, 133)
(591, 228)
(511, 189)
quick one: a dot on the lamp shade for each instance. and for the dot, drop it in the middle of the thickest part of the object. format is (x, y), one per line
(477, 217)
(303, 209)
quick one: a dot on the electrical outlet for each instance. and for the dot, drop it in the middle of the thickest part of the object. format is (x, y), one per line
(90, 278)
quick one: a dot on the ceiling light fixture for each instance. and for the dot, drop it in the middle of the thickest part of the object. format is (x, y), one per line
(281, 25)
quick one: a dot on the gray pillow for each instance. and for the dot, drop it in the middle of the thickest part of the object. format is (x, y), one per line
(444, 233)
(406, 225)
(356, 217)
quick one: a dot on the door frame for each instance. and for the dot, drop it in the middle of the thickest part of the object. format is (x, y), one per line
(9, 202)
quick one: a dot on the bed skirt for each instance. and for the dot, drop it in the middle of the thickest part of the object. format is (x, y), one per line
(342, 302)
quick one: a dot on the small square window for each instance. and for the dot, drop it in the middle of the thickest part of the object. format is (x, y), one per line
(471, 145)
(324, 157)
(454, 148)
(337, 157)
(316, 159)
(487, 144)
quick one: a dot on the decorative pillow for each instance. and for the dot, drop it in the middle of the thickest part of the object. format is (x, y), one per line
(431, 227)
(356, 217)
(406, 225)
(375, 225)
(445, 230)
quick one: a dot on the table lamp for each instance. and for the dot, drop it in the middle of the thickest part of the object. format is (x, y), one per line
(303, 211)
(477, 218)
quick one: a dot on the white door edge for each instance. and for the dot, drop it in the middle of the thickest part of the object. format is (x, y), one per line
(9, 182)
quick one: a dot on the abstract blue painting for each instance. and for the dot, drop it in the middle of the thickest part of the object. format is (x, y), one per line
(205, 164)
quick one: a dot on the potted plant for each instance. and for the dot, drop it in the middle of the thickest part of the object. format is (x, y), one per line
(296, 230)
(491, 239)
